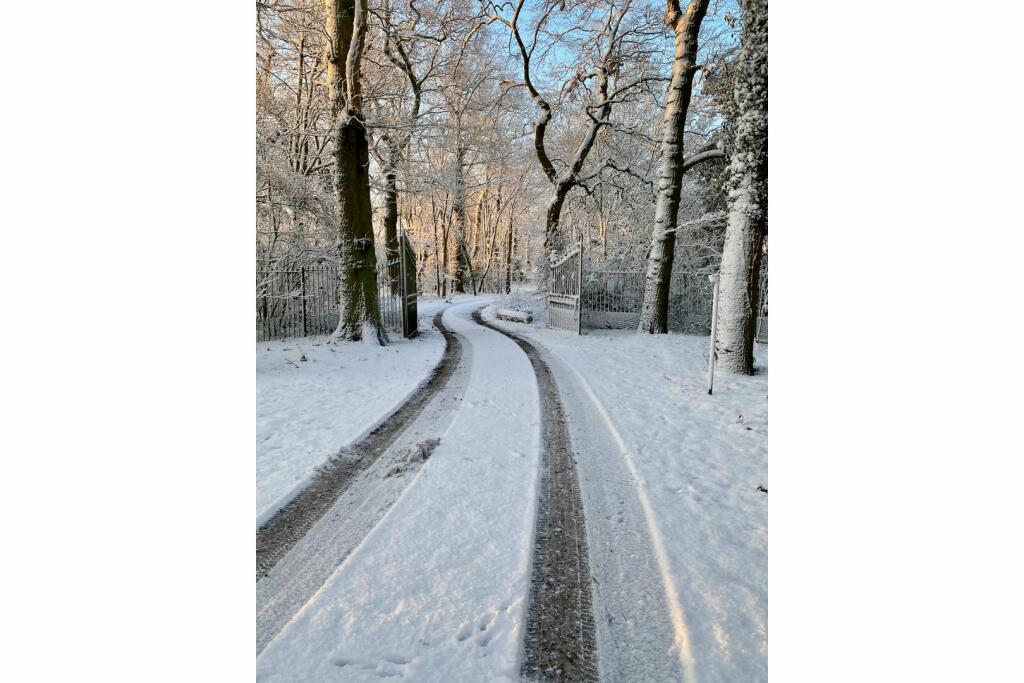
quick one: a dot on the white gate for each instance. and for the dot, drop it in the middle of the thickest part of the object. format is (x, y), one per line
(564, 280)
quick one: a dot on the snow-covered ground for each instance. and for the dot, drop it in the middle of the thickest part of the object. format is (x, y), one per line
(677, 527)
(437, 591)
(697, 461)
(306, 411)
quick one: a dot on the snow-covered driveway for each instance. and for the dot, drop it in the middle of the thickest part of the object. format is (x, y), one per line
(426, 574)
(437, 591)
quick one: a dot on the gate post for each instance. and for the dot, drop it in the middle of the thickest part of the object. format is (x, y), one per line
(579, 290)
(403, 293)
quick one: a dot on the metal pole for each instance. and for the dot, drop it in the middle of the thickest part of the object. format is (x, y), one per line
(579, 291)
(302, 275)
(714, 331)
(402, 293)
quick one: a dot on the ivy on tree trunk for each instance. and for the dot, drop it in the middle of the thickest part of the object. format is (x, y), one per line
(748, 197)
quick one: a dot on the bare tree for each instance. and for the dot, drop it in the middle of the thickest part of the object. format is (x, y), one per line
(483, 158)
(686, 26)
(404, 35)
(608, 40)
(748, 197)
(346, 30)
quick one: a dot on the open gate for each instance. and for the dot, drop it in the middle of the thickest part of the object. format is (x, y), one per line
(407, 287)
(565, 279)
(396, 283)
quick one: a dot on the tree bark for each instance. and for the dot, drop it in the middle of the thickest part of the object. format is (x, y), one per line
(391, 216)
(462, 266)
(346, 28)
(748, 197)
(654, 313)
(554, 240)
(508, 254)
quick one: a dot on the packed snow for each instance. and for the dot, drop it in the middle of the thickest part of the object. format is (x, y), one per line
(315, 398)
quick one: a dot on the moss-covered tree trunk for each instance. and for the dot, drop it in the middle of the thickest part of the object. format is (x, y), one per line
(346, 29)
(748, 197)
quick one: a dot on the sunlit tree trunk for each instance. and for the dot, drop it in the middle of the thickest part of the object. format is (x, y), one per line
(462, 267)
(346, 28)
(748, 197)
(554, 240)
(654, 313)
(396, 145)
(508, 254)
(390, 218)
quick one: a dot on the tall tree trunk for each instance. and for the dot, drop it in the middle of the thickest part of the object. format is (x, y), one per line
(748, 197)
(462, 266)
(391, 216)
(508, 254)
(489, 248)
(437, 263)
(554, 240)
(346, 28)
(654, 313)
(445, 260)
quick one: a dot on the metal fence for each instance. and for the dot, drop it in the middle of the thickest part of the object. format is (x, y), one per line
(762, 310)
(689, 303)
(295, 302)
(303, 301)
(612, 299)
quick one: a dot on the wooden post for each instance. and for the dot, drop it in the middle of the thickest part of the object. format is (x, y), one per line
(714, 330)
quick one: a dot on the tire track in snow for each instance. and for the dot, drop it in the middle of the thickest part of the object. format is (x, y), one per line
(637, 632)
(289, 524)
(560, 643)
(681, 638)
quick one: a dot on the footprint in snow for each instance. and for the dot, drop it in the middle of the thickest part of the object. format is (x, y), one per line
(385, 666)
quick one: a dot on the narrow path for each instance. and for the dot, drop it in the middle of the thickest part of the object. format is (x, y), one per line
(560, 642)
(282, 531)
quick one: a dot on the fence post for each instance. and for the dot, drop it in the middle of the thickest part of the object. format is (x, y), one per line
(714, 331)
